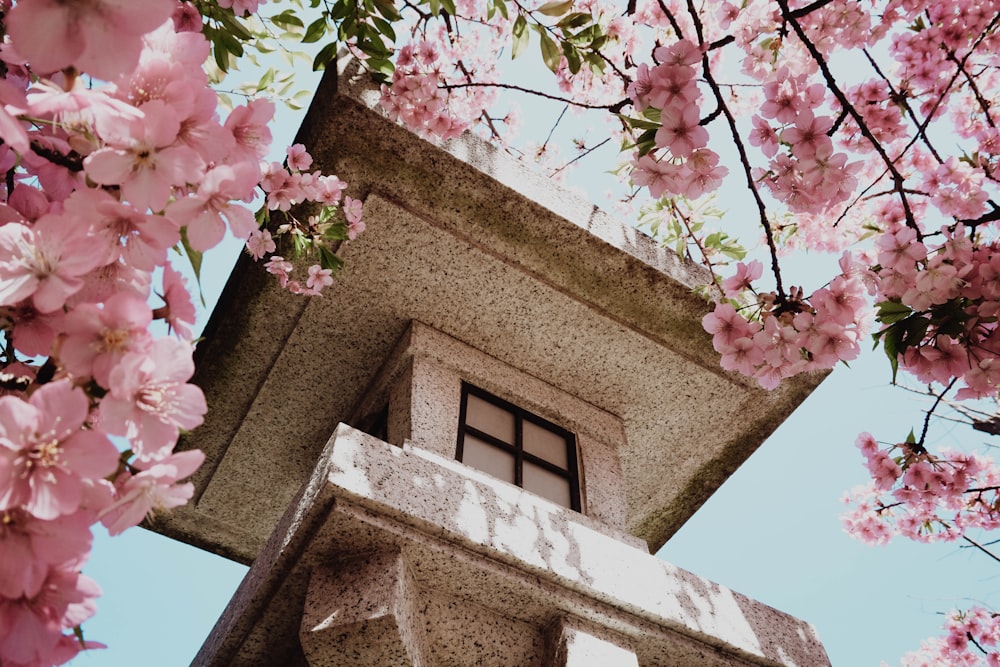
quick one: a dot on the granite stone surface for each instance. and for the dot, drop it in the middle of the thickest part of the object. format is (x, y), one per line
(498, 577)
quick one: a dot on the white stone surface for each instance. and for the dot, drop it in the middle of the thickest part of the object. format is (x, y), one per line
(487, 566)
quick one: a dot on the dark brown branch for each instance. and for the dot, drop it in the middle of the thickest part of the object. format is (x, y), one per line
(582, 155)
(670, 17)
(613, 108)
(73, 162)
(983, 102)
(981, 548)
(744, 158)
(919, 445)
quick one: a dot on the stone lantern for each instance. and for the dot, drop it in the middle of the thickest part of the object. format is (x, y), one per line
(465, 451)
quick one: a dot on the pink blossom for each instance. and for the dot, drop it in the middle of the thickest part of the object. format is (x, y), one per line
(764, 136)
(153, 489)
(298, 157)
(45, 455)
(248, 125)
(45, 262)
(727, 326)
(31, 628)
(745, 275)
(53, 34)
(352, 209)
(328, 190)
(661, 176)
(32, 546)
(280, 268)
(319, 278)
(260, 243)
(144, 159)
(681, 132)
(206, 213)
(242, 7)
(150, 399)
(98, 337)
(180, 313)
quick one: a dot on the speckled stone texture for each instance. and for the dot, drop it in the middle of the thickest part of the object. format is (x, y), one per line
(573, 645)
(361, 612)
(465, 571)
(468, 242)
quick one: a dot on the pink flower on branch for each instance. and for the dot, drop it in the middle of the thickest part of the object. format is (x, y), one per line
(145, 160)
(45, 455)
(154, 488)
(150, 398)
(45, 262)
(31, 627)
(54, 34)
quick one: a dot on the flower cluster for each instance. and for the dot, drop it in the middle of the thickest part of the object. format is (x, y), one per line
(420, 95)
(103, 177)
(680, 162)
(922, 496)
(971, 639)
(792, 334)
(939, 304)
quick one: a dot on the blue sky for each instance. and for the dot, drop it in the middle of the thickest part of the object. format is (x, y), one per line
(771, 532)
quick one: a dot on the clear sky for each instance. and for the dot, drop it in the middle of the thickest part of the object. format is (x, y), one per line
(771, 532)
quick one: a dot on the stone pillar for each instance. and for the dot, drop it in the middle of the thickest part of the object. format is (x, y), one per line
(574, 645)
(359, 613)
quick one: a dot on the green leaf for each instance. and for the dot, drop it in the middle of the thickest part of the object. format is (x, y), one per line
(325, 56)
(551, 53)
(380, 66)
(384, 27)
(266, 80)
(449, 6)
(340, 11)
(520, 36)
(315, 31)
(890, 312)
(329, 260)
(641, 123)
(574, 20)
(556, 7)
(387, 9)
(195, 257)
(891, 339)
(435, 7)
(572, 57)
(287, 19)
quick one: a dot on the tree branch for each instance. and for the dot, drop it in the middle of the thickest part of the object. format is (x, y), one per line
(744, 158)
(613, 108)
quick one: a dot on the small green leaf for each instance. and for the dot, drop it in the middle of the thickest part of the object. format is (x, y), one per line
(315, 31)
(325, 56)
(556, 7)
(384, 27)
(520, 36)
(195, 257)
(287, 19)
(551, 53)
(574, 20)
(890, 312)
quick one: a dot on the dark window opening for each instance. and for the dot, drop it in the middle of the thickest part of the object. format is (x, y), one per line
(514, 445)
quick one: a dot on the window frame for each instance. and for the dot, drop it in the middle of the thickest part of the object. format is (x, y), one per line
(572, 471)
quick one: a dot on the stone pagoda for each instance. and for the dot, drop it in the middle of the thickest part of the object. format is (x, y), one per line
(465, 452)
